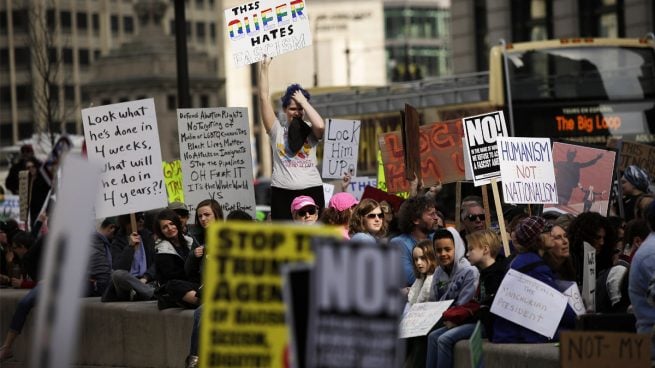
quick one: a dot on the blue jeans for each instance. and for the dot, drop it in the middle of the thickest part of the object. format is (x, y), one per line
(23, 309)
(441, 343)
(195, 331)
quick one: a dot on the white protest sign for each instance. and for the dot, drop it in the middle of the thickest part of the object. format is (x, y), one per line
(355, 305)
(421, 317)
(358, 184)
(340, 148)
(572, 293)
(589, 277)
(328, 191)
(526, 169)
(266, 27)
(530, 303)
(124, 141)
(10, 207)
(65, 265)
(481, 132)
(216, 158)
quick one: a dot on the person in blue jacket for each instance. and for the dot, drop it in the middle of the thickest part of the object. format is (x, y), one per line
(529, 235)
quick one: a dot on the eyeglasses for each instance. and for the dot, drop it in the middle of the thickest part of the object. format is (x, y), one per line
(480, 217)
(303, 212)
(374, 215)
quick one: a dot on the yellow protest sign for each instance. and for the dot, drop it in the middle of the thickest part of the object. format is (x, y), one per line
(173, 180)
(243, 320)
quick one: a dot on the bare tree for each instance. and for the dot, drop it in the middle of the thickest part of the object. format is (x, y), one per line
(48, 69)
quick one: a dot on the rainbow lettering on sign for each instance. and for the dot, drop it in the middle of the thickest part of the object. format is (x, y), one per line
(297, 6)
(267, 18)
(235, 25)
(255, 22)
(281, 13)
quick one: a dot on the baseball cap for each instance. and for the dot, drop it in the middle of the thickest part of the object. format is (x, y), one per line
(342, 201)
(302, 201)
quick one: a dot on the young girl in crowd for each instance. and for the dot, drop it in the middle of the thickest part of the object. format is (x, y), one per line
(172, 249)
(454, 279)
(425, 263)
(367, 222)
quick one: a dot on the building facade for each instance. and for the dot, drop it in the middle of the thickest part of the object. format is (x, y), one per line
(479, 24)
(52, 45)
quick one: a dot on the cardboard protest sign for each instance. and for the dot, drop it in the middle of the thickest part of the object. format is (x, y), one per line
(216, 157)
(243, 317)
(24, 194)
(266, 27)
(382, 182)
(358, 184)
(355, 305)
(604, 350)
(589, 277)
(340, 148)
(411, 136)
(173, 179)
(530, 303)
(65, 265)
(481, 132)
(584, 178)
(526, 169)
(633, 153)
(124, 141)
(421, 317)
(441, 160)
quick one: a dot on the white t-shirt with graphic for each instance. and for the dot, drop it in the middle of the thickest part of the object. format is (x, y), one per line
(293, 171)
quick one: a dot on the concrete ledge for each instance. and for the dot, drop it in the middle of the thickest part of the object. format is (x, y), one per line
(124, 334)
(510, 355)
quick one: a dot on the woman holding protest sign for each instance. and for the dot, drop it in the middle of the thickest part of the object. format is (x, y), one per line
(293, 143)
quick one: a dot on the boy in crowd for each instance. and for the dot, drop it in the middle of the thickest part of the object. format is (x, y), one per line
(459, 321)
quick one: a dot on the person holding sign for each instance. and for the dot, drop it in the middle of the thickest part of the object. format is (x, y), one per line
(294, 146)
(529, 235)
(172, 249)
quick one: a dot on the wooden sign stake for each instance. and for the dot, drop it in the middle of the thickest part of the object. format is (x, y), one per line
(458, 204)
(487, 210)
(501, 218)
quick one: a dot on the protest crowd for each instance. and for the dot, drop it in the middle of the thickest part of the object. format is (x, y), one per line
(159, 254)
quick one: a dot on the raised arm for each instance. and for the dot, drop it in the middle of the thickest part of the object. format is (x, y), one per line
(268, 113)
(318, 125)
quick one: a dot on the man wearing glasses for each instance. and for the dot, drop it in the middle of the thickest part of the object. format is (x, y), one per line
(472, 217)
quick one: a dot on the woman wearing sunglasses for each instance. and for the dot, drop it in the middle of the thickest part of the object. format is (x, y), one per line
(304, 210)
(367, 222)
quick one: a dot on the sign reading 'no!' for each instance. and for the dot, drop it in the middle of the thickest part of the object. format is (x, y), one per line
(481, 132)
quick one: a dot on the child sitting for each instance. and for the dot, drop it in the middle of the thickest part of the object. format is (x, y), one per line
(425, 262)
(459, 322)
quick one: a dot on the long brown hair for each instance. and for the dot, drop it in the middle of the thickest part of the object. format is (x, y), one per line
(428, 252)
(358, 218)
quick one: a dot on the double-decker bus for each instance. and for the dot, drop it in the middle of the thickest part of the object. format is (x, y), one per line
(581, 89)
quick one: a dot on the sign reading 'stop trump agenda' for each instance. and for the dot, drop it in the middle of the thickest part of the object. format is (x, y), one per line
(123, 140)
(266, 27)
